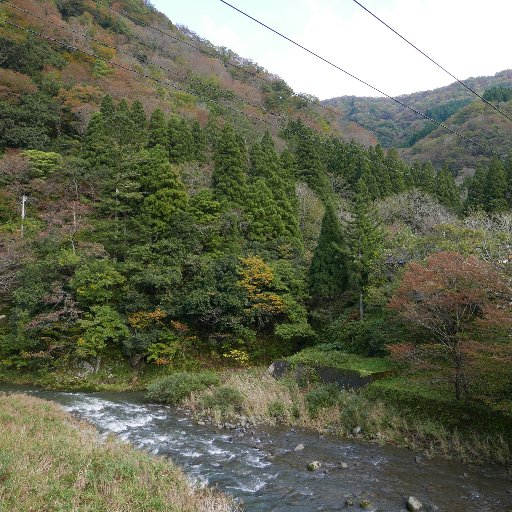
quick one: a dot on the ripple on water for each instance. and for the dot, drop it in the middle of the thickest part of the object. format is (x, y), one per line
(283, 484)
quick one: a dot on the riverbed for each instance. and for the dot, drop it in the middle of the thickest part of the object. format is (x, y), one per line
(264, 470)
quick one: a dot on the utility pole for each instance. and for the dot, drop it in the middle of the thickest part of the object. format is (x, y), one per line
(24, 200)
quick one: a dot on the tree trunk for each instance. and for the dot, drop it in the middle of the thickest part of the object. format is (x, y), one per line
(361, 306)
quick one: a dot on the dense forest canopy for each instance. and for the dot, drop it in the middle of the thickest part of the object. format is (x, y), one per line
(161, 228)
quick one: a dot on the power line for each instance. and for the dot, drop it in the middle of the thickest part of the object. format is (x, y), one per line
(84, 36)
(144, 75)
(226, 62)
(166, 84)
(433, 61)
(396, 100)
(126, 68)
(120, 50)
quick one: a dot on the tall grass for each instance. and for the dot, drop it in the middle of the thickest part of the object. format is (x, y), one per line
(325, 409)
(51, 462)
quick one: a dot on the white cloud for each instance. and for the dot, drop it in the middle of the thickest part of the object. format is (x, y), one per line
(467, 37)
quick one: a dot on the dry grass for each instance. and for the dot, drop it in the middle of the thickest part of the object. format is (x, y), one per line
(268, 401)
(50, 461)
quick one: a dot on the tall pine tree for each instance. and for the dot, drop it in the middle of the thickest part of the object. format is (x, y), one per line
(328, 272)
(229, 173)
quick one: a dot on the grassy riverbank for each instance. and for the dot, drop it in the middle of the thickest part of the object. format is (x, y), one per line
(50, 461)
(447, 429)
(403, 409)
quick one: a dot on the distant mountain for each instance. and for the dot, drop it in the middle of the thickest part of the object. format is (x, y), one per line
(421, 140)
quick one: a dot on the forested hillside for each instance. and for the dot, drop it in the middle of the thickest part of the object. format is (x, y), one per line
(454, 105)
(174, 222)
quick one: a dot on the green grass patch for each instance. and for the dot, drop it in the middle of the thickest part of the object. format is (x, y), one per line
(225, 399)
(179, 386)
(342, 360)
(50, 461)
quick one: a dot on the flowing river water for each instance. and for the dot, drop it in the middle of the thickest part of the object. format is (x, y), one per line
(266, 473)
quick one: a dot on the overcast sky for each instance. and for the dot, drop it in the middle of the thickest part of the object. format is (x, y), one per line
(468, 37)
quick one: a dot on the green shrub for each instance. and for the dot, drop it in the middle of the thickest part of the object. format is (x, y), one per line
(321, 398)
(224, 399)
(175, 388)
(276, 410)
(366, 338)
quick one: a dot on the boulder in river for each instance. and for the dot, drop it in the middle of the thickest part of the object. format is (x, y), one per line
(365, 504)
(414, 504)
(299, 448)
(314, 465)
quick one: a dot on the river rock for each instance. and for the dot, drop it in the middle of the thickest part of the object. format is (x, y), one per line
(349, 502)
(314, 465)
(201, 423)
(343, 465)
(357, 430)
(413, 504)
(365, 504)
(299, 448)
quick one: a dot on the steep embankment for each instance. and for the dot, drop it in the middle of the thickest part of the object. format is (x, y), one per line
(132, 51)
(50, 461)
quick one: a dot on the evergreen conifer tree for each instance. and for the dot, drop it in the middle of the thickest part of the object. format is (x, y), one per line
(367, 242)
(496, 187)
(107, 109)
(476, 190)
(124, 131)
(266, 227)
(97, 146)
(310, 166)
(446, 190)
(328, 272)
(229, 174)
(138, 115)
(199, 139)
(181, 141)
(396, 171)
(426, 178)
(157, 131)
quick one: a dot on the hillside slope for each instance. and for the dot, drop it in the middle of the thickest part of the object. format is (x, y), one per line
(164, 65)
(396, 126)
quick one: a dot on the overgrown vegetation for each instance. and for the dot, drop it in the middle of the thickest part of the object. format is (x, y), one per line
(382, 413)
(50, 461)
(176, 387)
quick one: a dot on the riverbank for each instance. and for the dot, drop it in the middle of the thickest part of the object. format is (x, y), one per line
(251, 397)
(399, 410)
(51, 461)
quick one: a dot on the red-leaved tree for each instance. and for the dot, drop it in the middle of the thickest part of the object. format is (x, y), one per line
(456, 299)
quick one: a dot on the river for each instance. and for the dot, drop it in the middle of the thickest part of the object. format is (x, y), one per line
(266, 473)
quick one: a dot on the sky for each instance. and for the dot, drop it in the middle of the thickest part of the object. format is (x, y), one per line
(468, 37)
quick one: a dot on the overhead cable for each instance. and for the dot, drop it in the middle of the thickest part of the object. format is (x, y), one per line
(396, 100)
(469, 88)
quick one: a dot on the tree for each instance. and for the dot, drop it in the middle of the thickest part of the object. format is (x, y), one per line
(476, 189)
(446, 190)
(328, 273)
(97, 145)
(229, 174)
(157, 129)
(496, 187)
(101, 326)
(449, 296)
(311, 167)
(181, 141)
(367, 242)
